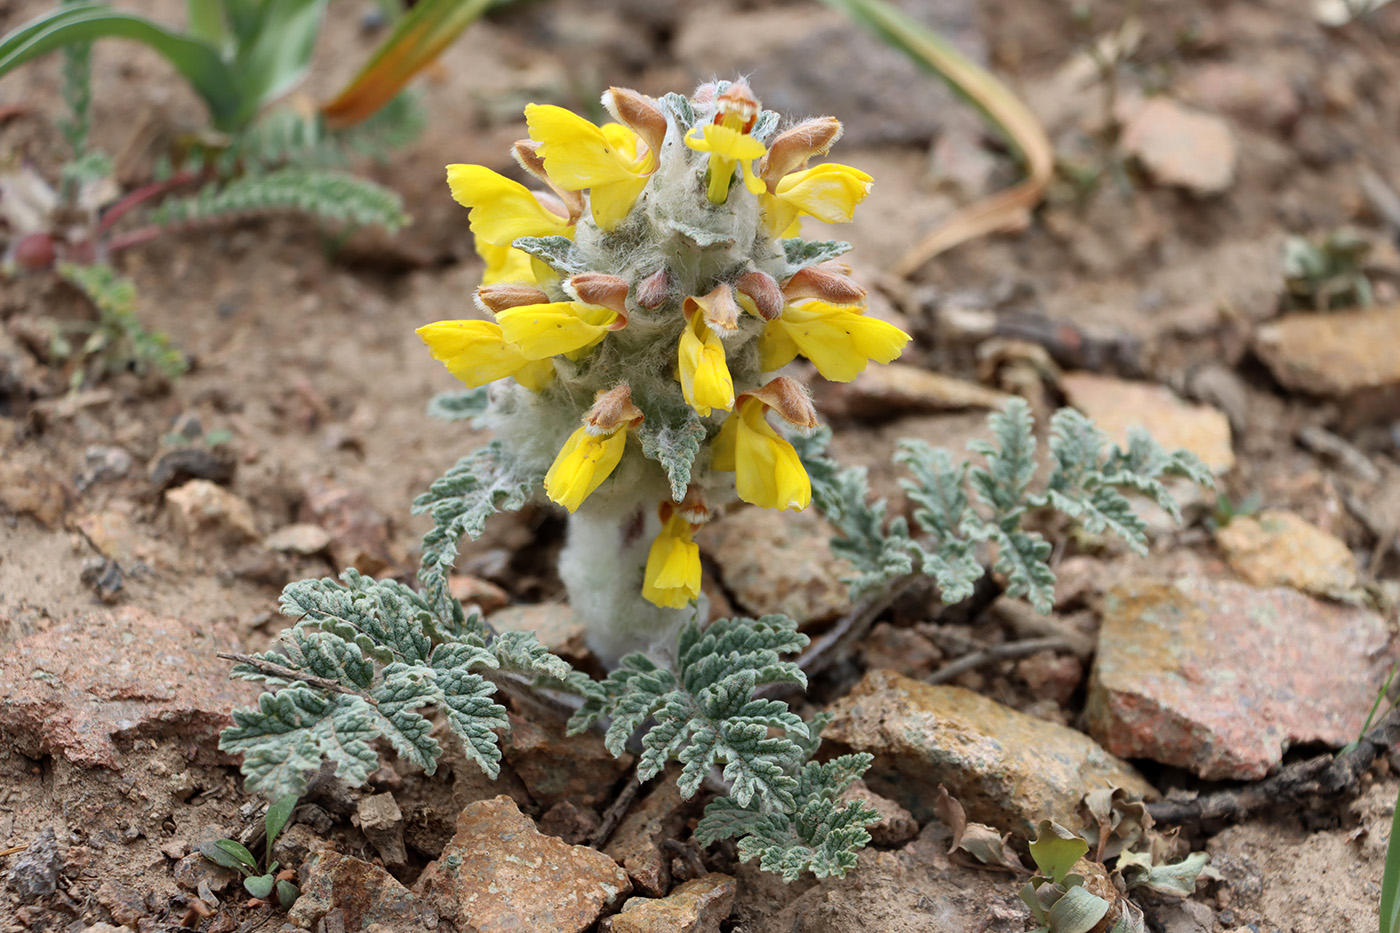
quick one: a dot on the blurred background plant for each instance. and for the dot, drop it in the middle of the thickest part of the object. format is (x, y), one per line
(261, 151)
(1327, 273)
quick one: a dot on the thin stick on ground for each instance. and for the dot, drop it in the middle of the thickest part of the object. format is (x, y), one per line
(615, 812)
(1003, 652)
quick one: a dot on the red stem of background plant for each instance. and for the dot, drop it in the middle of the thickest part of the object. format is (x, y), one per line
(134, 237)
(140, 196)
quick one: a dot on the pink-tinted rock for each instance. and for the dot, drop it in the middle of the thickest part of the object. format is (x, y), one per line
(1220, 677)
(1116, 405)
(896, 826)
(557, 767)
(499, 874)
(555, 624)
(207, 511)
(1182, 147)
(32, 491)
(363, 894)
(698, 906)
(1261, 96)
(474, 591)
(75, 688)
(1008, 769)
(885, 391)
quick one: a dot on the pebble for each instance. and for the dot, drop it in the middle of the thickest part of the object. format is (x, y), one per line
(194, 871)
(1008, 770)
(1116, 405)
(362, 893)
(1182, 147)
(555, 624)
(500, 874)
(896, 826)
(1220, 677)
(474, 591)
(1334, 354)
(188, 463)
(32, 491)
(1255, 95)
(1280, 548)
(698, 906)
(207, 511)
(73, 689)
(35, 871)
(111, 532)
(300, 538)
(778, 562)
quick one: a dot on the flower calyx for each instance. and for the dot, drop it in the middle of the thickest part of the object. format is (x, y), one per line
(603, 290)
(793, 147)
(718, 308)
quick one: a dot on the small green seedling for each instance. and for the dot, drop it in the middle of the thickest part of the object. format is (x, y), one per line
(232, 854)
(1056, 895)
(1329, 273)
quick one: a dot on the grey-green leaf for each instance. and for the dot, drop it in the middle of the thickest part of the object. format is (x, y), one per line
(1056, 849)
(1079, 911)
(275, 820)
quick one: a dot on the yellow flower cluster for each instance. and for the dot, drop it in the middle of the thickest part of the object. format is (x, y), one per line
(595, 175)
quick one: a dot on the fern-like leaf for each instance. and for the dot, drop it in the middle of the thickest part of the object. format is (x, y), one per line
(285, 738)
(334, 197)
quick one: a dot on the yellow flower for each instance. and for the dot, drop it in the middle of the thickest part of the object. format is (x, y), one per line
(672, 577)
(610, 160)
(828, 192)
(767, 470)
(838, 339)
(545, 330)
(506, 264)
(476, 352)
(727, 147)
(705, 379)
(586, 459)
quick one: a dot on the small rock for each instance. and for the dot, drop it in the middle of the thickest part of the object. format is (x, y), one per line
(1182, 917)
(1116, 405)
(1008, 770)
(1052, 676)
(32, 491)
(102, 464)
(104, 576)
(74, 688)
(180, 466)
(899, 388)
(1336, 354)
(698, 906)
(636, 844)
(206, 511)
(123, 902)
(363, 893)
(300, 538)
(573, 824)
(897, 825)
(111, 532)
(555, 624)
(1182, 147)
(556, 767)
(1177, 662)
(175, 849)
(499, 874)
(474, 591)
(773, 562)
(194, 871)
(1280, 548)
(359, 533)
(382, 823)
(35, 871)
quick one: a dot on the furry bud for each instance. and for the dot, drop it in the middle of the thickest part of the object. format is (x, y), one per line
(526, 152)
(789, 399)
(719, 308)
(639, 112)
(816, 282)
(793, 147)
(613, 409)
(653, 290)
(502, 296)
(763, 290)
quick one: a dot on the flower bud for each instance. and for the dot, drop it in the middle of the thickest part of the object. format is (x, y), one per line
(526, 152)
(720, 310)
(828, 285)
(502, 296)
(763, 289)
(613, 409)
(793, 147)
(789, 399)
(653, 290)
(639, 112)
(603, 290)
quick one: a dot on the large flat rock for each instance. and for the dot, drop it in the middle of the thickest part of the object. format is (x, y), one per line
(1008, 769)
(1220, 677)
(1333, 354)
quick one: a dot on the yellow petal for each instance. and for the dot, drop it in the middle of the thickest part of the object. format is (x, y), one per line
(583, 463)
(768, 471)
(828, 192)
(475, 352)
(501, 209)
(505, 264)
(611, 202)
(672, 577)
(776, 348)
(704, 374)
(577, 154)
(839, 339)
(545, 330)
(535, 374)
(724, 142)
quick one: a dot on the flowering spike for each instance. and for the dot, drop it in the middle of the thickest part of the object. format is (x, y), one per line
(762, 289)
